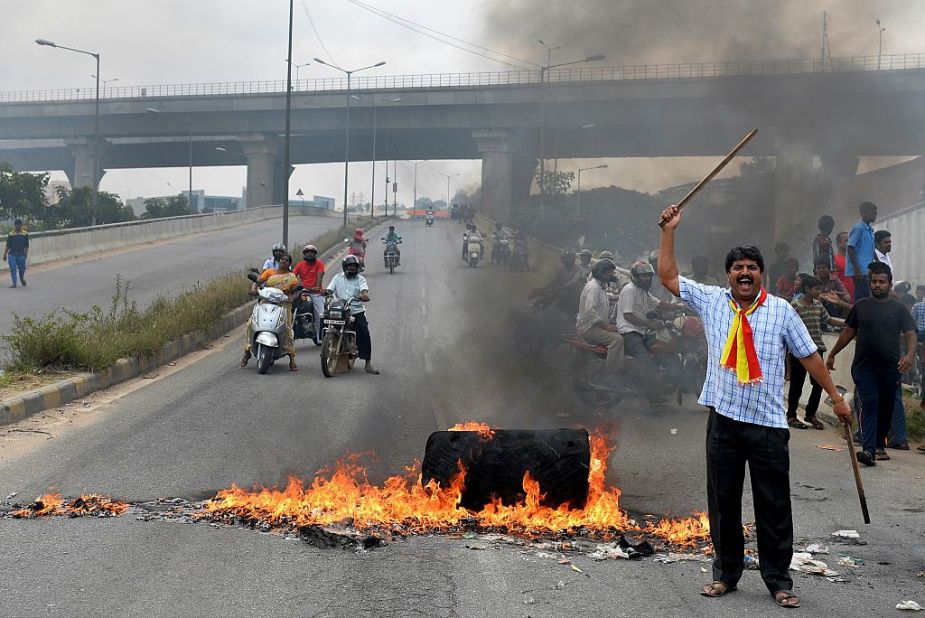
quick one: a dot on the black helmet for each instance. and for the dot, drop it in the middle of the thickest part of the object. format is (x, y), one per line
(602, 266)
(641, 267)
(347, 261)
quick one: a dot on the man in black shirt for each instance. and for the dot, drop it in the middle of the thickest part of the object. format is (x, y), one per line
(877, 321)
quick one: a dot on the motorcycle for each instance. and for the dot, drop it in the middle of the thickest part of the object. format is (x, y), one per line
(501, 251)
(303, 318)
(339, 339)
(429, 221)
(680, 354)
(268, 325)
(518, 259)
(391, 255)
(590, 375)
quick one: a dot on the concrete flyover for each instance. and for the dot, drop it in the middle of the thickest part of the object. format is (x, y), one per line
(837, 112)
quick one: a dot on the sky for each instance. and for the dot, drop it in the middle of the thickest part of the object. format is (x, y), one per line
(191, 41)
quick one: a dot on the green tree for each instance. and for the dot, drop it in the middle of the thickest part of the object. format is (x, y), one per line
(22, 195)
(158, 208)
(75, 208)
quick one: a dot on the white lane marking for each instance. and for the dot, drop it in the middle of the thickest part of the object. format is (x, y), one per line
(425, 331)
(424, 293)
(424, 309)
(428, 365)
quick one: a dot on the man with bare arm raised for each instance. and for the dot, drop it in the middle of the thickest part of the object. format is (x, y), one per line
(748, 333)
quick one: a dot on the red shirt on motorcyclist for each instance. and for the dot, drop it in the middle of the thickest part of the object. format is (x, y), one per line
(310, 270)
(358, 244)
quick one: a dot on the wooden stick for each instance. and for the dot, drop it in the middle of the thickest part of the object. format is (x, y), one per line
(717, 169)
(857, 473)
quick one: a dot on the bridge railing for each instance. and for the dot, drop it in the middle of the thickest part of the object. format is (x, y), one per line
(891, 62)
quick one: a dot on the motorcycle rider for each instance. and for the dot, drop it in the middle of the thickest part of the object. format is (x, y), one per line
(471, 235)
(593, 319)
(584, 264)
(348, 286)
(358, 246)
(565, 289)
(636, 302)
(310, 272)
(278, 251)
(393, 237)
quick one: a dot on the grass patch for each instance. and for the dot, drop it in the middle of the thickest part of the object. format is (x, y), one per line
(915, 419)
(96, 339)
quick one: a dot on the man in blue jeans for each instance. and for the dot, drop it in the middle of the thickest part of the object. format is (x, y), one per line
(860, 249)
(877, 322)
(17, 247)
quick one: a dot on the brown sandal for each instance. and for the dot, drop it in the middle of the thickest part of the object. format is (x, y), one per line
(292, 365)
(717, 589)
(245, 358)
(796, 423)
(786, 598)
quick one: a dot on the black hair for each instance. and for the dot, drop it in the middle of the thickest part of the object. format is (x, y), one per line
(866, 205)
(602, 266)
(285, 255)
(822, 262)
(919, 287)
(880, 268)
(745, 252)
(808, 282)
(826, 224)
(880, 235)
(907, 299)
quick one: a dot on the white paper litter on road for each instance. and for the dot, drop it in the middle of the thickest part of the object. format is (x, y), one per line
(816, 548)
(609, 552)
(803, 562)
(847, 534)
(911, 606)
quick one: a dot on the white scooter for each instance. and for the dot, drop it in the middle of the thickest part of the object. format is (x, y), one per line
(268, 325)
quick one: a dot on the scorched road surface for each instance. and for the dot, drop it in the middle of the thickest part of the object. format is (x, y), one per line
(161, 268)
(440, 337)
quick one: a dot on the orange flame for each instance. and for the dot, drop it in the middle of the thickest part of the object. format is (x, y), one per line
(484, 430)
(51, 505)
(688, 532)
(402, 504)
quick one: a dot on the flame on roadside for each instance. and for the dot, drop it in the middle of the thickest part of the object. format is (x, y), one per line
(51, 505)
(403, 505)
(688, 532)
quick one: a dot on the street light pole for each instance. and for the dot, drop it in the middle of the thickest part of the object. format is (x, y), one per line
(448, 176)
(189, 142)
(349, 74)
(288, 133)
(96, 121)
(880, 31)
(578, 191)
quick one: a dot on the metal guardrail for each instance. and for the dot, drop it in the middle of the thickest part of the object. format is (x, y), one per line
(892, 62)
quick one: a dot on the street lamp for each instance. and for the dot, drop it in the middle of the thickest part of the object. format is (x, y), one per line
(297, 67)
(448, 176)
(544, 77)
(578, 192)
(880, 31)
(107, 81)
(189, 143)
(96, 120)
(414, 202)
(372, 190)
(349, 74)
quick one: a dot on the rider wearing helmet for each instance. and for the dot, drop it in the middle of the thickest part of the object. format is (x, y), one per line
(593, 320)
(358, 246)
(472, 235)
(635, 304)
(310, 272)
(350, 285)
(584, 264)
(279, 250)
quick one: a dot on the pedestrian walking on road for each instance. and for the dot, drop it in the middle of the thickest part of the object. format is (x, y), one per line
(748, 333)
(860, 249)
(823, 250)
(877, 322)
(15, 252)
(814, 317)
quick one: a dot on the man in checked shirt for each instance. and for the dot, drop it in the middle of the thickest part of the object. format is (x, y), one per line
(748, 333)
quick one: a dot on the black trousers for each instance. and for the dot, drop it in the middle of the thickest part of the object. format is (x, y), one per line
(730, 445)
(364, 343)
(797, 377)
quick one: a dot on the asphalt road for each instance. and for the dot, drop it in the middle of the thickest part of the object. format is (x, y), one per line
(160, 268)
(441, 339)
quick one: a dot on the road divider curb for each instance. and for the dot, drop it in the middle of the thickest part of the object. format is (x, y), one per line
(60, 393)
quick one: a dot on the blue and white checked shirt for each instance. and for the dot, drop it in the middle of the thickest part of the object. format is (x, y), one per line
(918, 313)
(777, 328)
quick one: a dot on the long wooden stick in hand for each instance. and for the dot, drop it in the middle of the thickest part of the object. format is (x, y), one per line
(857, 473)
(717, 169)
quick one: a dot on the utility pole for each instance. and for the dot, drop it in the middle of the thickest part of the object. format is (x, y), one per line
(285, 178)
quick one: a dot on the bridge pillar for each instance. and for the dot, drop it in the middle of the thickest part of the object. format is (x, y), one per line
(80, 174)
(497, 173)
(263, 170)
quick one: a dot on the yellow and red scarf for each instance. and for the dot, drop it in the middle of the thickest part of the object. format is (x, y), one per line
(739, 353)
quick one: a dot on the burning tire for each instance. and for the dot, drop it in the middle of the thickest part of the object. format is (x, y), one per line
(264, 356)
(329, 355)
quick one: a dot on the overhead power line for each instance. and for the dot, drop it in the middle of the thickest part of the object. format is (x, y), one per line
(442, 37)
(317, 34)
